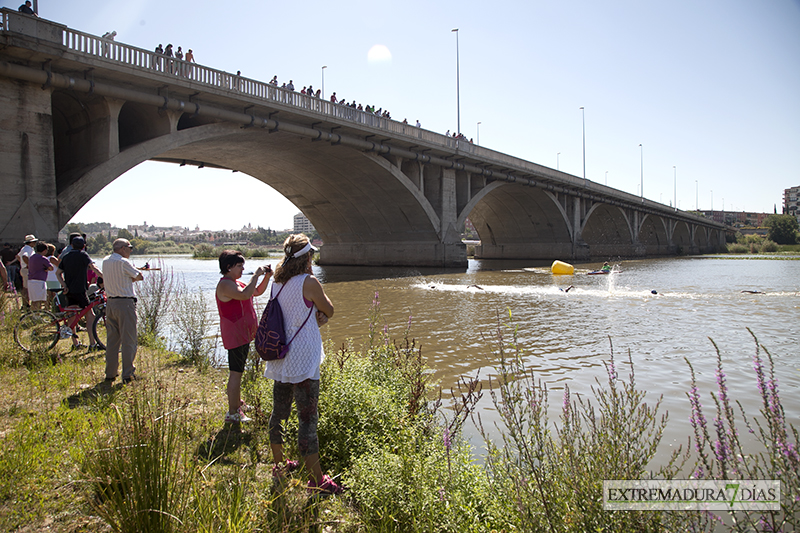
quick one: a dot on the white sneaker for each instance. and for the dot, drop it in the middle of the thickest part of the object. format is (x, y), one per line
(236, 418)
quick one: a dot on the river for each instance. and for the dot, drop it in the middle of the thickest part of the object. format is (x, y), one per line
(660, 310)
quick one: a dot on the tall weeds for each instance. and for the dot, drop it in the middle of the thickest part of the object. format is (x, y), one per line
(138, 462)
(549, 475)
(191, 326)
(721, 454)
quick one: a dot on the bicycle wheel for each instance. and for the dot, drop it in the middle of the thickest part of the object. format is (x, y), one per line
(37, 330)
(99, 327)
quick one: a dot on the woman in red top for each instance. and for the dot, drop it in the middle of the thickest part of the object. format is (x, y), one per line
(237, 321)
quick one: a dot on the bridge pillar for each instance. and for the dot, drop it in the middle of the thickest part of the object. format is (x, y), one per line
(27, 168)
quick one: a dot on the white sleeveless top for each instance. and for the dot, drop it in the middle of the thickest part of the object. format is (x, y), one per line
(305, 352)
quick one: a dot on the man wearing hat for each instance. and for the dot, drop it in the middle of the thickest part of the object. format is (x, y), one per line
(23, 256)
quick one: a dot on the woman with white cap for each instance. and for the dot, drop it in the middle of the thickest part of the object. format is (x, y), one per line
(296, 376)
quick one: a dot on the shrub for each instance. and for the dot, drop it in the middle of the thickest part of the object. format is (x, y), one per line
(769, 247)
(191, 326)
(205, 251)
(737, 248)
(155, 294)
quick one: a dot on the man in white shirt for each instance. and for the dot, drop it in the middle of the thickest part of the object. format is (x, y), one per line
(118, 277)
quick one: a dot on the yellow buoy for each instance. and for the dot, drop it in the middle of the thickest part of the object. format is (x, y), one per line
(560, 267)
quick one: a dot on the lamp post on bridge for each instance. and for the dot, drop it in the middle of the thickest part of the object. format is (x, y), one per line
(458, 86)
(323, 80)
(558, 154)
(479, 133)
(675, 170)
(583, 120)
(696, 196)
(606, 177)
(641, 154)
(712, 203)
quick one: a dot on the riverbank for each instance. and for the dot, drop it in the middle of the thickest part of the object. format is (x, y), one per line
(80, 454)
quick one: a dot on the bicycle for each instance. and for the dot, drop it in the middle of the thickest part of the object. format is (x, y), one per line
(41, 330)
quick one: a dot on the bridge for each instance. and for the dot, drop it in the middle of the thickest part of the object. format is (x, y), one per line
(78, 111)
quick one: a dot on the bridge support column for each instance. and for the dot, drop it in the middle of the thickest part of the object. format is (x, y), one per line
(27, 168)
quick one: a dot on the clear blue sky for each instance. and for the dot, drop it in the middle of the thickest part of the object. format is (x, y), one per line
(711, 88)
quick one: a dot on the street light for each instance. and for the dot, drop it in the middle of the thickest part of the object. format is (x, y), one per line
(675, 205)
(458, 85)
(558, 154)
(323, 81)
(583, 119)
(479, 133)
(641, 153)
(606, 177)
(712, 202)
(696, 196)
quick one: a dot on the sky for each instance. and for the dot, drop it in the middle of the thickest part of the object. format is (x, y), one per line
(710, 89)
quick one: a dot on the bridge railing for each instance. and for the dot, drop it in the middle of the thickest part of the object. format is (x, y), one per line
(92, 45)
(106, 49)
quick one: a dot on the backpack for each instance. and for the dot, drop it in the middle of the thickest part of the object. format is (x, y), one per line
(270, 338)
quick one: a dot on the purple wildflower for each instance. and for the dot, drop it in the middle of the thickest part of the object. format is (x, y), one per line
(446, 438)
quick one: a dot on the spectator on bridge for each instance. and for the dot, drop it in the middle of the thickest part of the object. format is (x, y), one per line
(179, 64)
(189, 60)
(169, 62)
(405, 121)
(303, 90)
(310, 91)
(418, 124)
(237, 322)
(159, 51)
(333, 97)
(27, 9)
(290, 85)
(108, 36)
(237, 81)
(274, 81)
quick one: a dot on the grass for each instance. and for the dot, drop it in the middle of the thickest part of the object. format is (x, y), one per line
(80, 454)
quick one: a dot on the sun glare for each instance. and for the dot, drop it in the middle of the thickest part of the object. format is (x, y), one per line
(379, 54)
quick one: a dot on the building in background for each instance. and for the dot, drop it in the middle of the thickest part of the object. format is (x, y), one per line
(302, 224)
(736, 219)
(790, 202)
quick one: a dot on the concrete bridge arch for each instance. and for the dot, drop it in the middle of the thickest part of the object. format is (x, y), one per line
(380, 192)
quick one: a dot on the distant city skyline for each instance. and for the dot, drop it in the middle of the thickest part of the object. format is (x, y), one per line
(709, 90)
